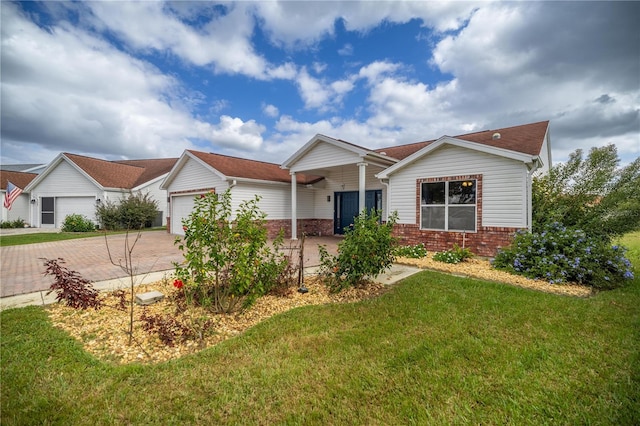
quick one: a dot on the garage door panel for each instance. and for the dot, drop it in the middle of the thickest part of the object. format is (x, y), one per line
(65, 206)
(181, 207)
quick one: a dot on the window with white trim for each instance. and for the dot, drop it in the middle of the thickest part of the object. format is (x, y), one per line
(448, 205)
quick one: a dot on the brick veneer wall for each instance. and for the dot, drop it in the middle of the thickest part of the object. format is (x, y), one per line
(308, 226)
(484, 242)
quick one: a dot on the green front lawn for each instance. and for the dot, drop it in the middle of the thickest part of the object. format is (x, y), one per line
(436, 349)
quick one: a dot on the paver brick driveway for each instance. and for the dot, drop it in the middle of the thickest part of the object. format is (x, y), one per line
(22, 267)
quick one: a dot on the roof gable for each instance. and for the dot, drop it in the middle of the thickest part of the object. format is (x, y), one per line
(344, 153)
(520, 143)
(526, 139)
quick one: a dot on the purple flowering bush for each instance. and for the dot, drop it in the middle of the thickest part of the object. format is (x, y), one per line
(559, 254)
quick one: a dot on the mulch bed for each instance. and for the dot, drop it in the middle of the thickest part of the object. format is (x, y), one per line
(104, 333)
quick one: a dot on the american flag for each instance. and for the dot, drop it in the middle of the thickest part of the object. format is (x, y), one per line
(10, 196)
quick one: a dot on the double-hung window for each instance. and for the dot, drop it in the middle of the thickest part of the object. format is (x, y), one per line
(448, 205)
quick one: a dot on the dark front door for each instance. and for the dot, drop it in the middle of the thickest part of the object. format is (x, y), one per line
(346, 207)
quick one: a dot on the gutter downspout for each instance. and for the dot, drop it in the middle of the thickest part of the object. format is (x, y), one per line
(535, 165)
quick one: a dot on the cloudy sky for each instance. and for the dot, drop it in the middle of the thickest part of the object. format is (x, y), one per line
(124, 80)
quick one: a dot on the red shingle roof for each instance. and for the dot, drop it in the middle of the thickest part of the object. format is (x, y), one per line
(19, 179)
(250, 169)
(126, 174)
(152, 167)
(527, 139)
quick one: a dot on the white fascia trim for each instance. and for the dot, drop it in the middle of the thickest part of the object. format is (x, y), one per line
(317, 139)
(260, 181)
(150, 182)
(174, 170)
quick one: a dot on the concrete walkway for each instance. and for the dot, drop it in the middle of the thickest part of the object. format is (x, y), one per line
(22, 281)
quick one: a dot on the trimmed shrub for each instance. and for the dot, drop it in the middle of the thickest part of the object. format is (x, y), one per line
(559, 255)
(134, 212)
(77, 223)
(8, 224)
(413, 252)
(454, 255)
(367, 249)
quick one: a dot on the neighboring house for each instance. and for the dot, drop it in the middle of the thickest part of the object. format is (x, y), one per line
(198, 172)
(75, 184)
(27, 168)
(472, 189)
(20, 207)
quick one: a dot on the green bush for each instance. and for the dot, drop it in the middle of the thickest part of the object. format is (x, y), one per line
(559, 255)
(134, 212)
(454, 255)
(18, 223)
(77, 223)
(228, 264)
(413, 252)
(367, 249)
(593, 194)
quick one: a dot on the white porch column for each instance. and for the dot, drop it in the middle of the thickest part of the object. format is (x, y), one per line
(361, 186)
(294, 207)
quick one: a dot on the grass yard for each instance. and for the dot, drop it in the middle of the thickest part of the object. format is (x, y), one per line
(437, 349)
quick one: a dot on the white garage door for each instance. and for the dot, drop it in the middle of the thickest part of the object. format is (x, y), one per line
(85, 206)
(181, 207)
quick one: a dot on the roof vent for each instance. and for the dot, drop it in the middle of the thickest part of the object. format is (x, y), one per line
(383, 153)
(496, 136)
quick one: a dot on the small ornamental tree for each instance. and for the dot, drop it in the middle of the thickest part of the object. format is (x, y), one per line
(228, 262)
(592, 194)
(367, 250)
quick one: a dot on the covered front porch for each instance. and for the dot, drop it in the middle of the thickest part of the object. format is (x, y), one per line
(348, 186)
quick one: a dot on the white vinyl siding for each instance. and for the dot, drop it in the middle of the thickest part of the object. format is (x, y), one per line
(64, 179)
(325, 155)
(73, 191)
(194, 175)
(275, 199)
(503, 184)
(19, 209)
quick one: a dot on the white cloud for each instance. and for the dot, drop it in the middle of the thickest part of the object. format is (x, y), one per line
(346, 50)
(65, 90)
(233, 132)
(318, 67)
(223, 42)
(296, 24)
(270, 110)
